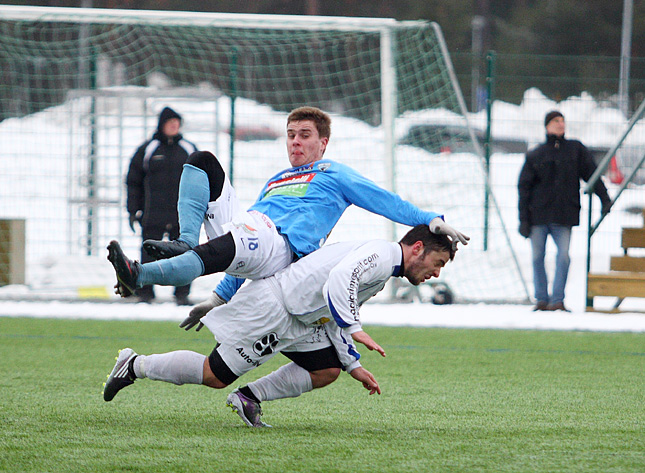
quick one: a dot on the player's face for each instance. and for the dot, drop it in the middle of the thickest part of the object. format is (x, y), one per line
(304, 145)
(555, 126)
(421, 267)
(171, 127)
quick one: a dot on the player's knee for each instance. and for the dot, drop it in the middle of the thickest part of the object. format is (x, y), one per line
(324, 377)
(208, 162)
(217, 254)
(210, 379)
(201, 159)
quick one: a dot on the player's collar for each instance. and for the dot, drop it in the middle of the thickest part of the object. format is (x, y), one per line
(400, 269)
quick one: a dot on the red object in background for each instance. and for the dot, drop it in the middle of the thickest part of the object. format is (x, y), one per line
(615, 175)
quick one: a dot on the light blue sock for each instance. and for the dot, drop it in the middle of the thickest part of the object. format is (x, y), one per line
(177, 271)
(194, 192)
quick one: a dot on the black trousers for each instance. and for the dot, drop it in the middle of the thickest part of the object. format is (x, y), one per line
(156, 232)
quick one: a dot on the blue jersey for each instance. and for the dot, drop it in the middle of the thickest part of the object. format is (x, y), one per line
(306, 202)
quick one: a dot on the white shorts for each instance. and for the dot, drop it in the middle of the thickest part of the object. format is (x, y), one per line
(260, 251)
(254, 326)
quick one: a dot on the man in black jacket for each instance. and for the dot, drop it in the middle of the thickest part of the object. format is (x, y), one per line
(549, 203)
(153, 188)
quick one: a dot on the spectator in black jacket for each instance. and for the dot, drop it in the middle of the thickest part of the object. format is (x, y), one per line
(153, 188)
(549, 203)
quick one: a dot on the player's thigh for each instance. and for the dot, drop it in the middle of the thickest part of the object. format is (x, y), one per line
(317, 360)
(221, 211)
(323, 364)
(313, 351)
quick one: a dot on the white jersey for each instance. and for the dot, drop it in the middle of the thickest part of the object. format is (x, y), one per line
(334, 281)
(329, 286)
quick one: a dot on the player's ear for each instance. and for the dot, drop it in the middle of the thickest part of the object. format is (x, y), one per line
(323, 144)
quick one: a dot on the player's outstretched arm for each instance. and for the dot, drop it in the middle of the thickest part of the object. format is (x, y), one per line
(365, 339)
(361, 375)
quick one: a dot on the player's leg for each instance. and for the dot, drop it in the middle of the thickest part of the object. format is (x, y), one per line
(181, 292)
(252, 248)
(248, 410)
(308, 370)
(146, 293)
(131, 275)
(177, 271)
(259, 250)
(252, 328)
(245, 251)
(176, 367)
(202, 181)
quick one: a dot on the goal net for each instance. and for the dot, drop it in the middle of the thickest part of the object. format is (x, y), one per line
(81, 89)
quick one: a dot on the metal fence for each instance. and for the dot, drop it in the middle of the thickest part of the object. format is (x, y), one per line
(558, 77)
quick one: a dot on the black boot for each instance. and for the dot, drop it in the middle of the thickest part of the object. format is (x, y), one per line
(160, 249)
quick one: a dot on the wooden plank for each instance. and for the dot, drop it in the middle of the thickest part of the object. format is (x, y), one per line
(616, 285)
(633, 238)
(613, 311)
(627, 263)
(12, 251)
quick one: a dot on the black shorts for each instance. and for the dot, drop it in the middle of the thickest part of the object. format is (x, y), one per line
(309, 360)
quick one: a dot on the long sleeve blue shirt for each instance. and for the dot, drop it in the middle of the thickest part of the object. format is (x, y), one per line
(306, 202)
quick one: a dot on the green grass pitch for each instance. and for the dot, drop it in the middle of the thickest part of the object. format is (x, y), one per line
(453, 401)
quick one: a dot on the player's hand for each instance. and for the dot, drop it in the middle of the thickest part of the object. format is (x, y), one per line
(121, 290)
(135, 217)
(361, 375)
(439, 227)
(525, 229)
(365, 339)
(200, 310)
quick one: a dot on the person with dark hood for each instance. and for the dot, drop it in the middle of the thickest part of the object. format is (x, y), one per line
(153, 189)
(549, 204)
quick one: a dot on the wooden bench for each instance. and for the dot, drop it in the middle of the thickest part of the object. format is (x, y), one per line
(627, 273)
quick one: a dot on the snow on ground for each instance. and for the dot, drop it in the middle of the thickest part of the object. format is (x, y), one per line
(417, 314)
(482, 316)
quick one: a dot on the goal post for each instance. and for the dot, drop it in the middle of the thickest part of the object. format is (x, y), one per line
(80, 89)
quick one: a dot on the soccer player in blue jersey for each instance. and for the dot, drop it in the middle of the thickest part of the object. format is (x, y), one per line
(296, 210)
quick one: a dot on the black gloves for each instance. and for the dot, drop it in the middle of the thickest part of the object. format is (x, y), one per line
(525, 229)
(135, 217)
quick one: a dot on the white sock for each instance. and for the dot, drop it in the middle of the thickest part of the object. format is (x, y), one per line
(288, 381)
(177, 367)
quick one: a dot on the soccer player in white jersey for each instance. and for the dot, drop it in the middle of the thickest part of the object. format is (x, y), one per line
(296, 210)
(308, 311)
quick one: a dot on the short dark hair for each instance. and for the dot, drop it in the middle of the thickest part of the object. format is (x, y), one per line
(431, 241)
(320, 119)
